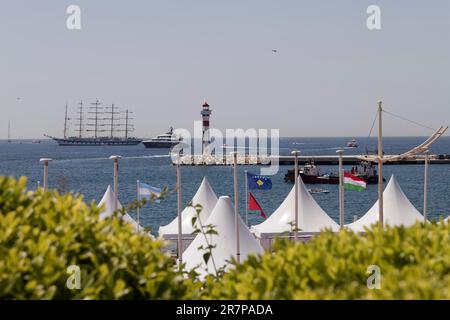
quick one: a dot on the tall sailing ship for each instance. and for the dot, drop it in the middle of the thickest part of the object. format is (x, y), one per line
(103, 123)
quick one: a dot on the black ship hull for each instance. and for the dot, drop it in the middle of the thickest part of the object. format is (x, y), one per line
(97, 141)
(160, 144)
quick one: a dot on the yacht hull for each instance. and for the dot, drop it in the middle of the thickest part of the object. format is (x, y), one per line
(160, 144)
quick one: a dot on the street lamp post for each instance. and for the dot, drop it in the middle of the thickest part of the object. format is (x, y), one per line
(116, 159)
(296, 154)
(45, 161)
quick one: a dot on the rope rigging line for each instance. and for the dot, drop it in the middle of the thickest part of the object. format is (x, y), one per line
(412, 121)
(370, 132)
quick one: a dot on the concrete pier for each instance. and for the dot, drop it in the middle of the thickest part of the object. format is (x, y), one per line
(211, 160)
(355, 159)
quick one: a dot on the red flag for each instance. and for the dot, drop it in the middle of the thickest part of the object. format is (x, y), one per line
(254, 205)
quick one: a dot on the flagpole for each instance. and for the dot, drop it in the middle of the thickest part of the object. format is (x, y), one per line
(236, 207)
(425, 187)
(246, 198)
(380, 165)
(296, 153)
(341, 188)
(138, 196)
(180, 231)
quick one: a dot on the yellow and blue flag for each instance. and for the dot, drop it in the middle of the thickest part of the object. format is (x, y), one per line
(258, 182)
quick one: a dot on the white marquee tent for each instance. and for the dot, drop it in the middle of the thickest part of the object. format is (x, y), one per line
(223, 218)
(397, 209)
(204, 196)
(108, 203)
(311, 216)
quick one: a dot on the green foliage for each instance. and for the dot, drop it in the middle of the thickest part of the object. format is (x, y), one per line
(414, 264)
(43, 233)
(204, 231)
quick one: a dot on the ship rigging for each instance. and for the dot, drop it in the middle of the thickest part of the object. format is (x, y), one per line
(103, 122)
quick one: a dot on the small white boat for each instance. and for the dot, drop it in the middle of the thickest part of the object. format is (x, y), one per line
(318, 190)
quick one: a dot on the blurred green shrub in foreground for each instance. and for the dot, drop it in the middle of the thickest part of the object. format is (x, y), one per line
(42, 234)
(414, 263)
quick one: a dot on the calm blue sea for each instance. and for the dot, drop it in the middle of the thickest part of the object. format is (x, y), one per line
(88, 171)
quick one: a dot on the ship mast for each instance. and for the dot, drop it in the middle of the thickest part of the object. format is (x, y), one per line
(126, 124)
(65, 123)
(128, 127)
(96, 112)
(113, 119)
(80, 113)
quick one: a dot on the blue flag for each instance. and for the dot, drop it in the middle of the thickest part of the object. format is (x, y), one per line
(258, 182)
(146, 191)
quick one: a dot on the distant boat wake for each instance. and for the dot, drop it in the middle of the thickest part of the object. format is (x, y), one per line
(155, 156)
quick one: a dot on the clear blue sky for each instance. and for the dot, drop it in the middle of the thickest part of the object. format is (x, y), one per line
(162, 59)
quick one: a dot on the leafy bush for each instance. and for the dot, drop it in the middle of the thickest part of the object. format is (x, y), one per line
(42, 234)
(414, 264)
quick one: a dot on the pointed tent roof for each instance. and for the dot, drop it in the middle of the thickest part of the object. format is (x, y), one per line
(108, 202)
(204, 196)
(223, 218)
(311, 216)
(397, 209)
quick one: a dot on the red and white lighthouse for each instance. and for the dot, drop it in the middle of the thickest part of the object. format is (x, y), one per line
(206, 113)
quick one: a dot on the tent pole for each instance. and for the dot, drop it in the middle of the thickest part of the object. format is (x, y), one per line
(296, 153)
(246, 198)
(380, 165)
(341, 189)
(180, 231)
(236, 208)
(425, 187)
